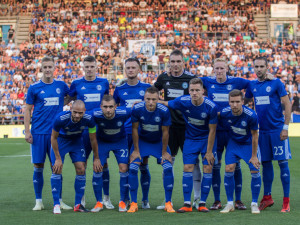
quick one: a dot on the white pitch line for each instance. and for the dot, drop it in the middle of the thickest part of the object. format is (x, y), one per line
(12, 143)
(13, 156)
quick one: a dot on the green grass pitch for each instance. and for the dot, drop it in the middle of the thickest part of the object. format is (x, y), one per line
(17, 196)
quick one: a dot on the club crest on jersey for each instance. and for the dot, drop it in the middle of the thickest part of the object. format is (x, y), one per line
(99, 87)
(244, 123)
(268, 89)
(203, 115)
(157, 119)
(185, 85)
(229, 87)
(119, 123)
(57, 90)
(142, 93)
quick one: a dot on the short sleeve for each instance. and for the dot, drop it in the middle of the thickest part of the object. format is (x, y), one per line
(167, 118)
(242, 83)
(204, 80)
(116, 95)
(57, 124)
(66, 89)
(280, 88)
(253, 122)
(106, 87)
(249, 92)
(213, 118)
(72, 92)
(134, 115)
(175, 104)
(30, 96)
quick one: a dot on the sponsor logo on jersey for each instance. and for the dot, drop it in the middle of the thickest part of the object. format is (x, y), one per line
(51, 101)
(174, 93)
(142, 118)
(238, 130)
(157, 119)
(91, 97)
(185, 85)
(217, 97)
(83, 88)
(99, 87)
(57, 90)
(196, 121)
(130, 102)
(125, 93)
(262, 100)
(111, 131)
(229, 121)
(212, 86)
(142, 93)
(168, 83)
(187, 111)
(150, 127)
(254, 90)
(42, 92)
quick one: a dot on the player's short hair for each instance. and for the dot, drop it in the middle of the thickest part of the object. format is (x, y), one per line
(261, 58)
(47, 59)
(89, 59)
(221, 59)
(78, 102)
(235, 93)
(196, 81)
(133, 59)
(107, 98)
(176, 52)
(152, 90)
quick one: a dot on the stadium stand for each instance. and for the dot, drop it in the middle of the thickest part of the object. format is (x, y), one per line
(204, 30)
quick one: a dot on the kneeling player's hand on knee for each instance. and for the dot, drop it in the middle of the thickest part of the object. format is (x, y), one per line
(255, 162)
(134, 155)
(97, 166)
(166, 156)
(210, 158)
(57, 167)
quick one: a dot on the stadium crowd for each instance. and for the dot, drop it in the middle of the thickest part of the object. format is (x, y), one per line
(204, 30)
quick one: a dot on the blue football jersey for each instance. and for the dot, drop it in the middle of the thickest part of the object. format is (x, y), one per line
(150, 123)
(90, 92)
(197, 118)
(239, 127)
(48, 101)
(68, 129)
(267, 98)
(218, 92)
(127, 95)
(111, 130)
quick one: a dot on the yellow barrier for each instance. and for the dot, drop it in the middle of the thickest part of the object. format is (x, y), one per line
(17, 131)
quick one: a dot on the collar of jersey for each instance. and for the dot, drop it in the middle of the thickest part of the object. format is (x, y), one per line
(178, 76)
(47, 83)
(90, 80)
(133, 85)
(222, 82)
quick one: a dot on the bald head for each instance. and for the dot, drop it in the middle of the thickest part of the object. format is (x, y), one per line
(78, 103)
(78, 110)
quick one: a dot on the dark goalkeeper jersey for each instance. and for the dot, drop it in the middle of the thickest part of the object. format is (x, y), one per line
(174, 87)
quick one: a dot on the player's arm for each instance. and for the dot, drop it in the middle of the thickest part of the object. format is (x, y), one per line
(210, 144)
(27, 116)
(135, 138)
(165, 141)
(254, 160)
(165, 103)
(288, 109)
(97, 167)
(68, 99)
(57, 167)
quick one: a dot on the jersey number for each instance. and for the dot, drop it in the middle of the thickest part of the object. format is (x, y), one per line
(278, 150)
(83, 153)
(124, 152)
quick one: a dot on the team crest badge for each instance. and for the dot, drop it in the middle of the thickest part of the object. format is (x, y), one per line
(99, 87)
(119, 123)
(142, 93)
(268, 89)
(57, 90)
(157, 119)
(185, 85)
(229, 87)
(203, 115)
(244, 123)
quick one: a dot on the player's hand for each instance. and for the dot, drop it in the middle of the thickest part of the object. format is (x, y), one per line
(28, 137)
(210, 158)
(166, 156)
(57, 167)
(136, 102)
(269, 76)
(284, 135)
(255, 162)
(134, 155)
(97, 166)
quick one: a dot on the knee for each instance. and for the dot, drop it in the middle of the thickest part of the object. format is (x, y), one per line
(217, 166)
(105, 165)
(188, 167)
(123, 167)
(230, 168)
(80, 169)
(38, 165)
(145, 160)
(207, 168)
(144, 168)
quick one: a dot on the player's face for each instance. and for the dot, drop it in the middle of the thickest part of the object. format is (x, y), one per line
(132, 70)
(260, 68)
(48, 69)
(196, 92)
(236, 104)
(176, 63)
(77, 113)
(90, 69)
(151, 101)
(220, 69)
(108, 108)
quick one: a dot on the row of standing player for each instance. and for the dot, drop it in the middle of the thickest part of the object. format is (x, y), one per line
(176, 85)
